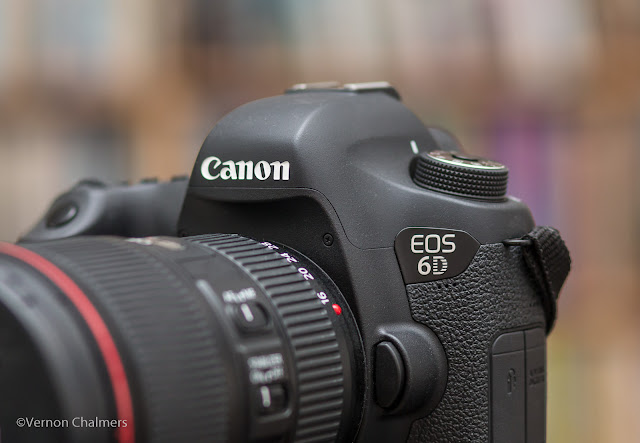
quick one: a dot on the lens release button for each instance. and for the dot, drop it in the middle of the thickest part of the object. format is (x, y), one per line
(251, 317)
(389, 377)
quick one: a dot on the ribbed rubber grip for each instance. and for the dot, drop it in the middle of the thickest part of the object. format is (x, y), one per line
(164, 333)
(462, 179)
(319, 370)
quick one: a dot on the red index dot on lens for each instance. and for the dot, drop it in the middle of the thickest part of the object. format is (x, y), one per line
(337, 309)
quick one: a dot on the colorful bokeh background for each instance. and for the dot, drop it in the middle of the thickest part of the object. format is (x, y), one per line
(123, 90)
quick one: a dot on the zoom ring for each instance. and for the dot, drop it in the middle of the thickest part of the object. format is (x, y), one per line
(319, 371)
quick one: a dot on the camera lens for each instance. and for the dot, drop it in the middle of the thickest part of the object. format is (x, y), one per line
(208, 338)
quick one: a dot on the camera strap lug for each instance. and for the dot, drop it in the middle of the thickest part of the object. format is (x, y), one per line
(548, 261)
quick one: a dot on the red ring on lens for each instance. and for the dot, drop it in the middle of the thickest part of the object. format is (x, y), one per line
(106, 344)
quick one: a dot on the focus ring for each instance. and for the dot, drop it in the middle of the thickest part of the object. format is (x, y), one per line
(178, 379)
(319, 371)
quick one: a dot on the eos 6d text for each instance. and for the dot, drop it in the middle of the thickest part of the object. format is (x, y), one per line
(433, 244)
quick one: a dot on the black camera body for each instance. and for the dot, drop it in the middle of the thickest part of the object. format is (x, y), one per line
(451, 285)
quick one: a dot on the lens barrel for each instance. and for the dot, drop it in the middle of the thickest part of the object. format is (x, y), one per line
(209, 338)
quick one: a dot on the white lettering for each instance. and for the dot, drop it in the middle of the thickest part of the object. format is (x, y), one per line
(437, 244)
(263, 170)
(32, 422)
(258, 377)
(424, 268)
(439, 265)
(433, 244)
(76, 422)
(241, 296)
(244, 169)
(265, 369)
(416, 242)
(229, 171)
(448, 243)
(205, 169)
(265, 361)
(280, 169)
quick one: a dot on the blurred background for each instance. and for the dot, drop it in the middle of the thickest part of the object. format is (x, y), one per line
(122, 90)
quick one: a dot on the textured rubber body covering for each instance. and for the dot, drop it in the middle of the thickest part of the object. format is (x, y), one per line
(466, 313)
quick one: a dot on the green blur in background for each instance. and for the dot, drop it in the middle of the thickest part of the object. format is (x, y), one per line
(122, 90)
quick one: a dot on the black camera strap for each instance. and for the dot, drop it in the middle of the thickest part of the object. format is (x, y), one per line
(549, 263)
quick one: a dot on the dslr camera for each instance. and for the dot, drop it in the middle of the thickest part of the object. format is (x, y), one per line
(333, 270)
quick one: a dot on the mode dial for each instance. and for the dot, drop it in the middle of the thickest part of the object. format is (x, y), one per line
(461, 174)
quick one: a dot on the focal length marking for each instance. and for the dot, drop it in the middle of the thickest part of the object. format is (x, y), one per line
(324, 299)
(244, 170)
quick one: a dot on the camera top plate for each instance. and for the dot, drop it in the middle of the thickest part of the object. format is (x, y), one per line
(351, 149)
